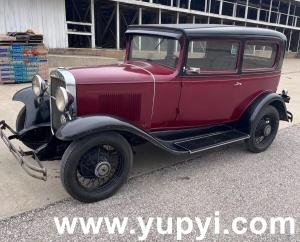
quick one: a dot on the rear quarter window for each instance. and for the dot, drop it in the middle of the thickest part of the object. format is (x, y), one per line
(258, 55)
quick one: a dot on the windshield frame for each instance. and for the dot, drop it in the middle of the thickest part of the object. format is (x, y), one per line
(129, 49)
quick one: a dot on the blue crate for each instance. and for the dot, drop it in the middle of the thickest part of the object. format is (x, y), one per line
(22, 64)
(5, 69)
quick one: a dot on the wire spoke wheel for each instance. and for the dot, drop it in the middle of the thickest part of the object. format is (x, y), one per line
(95, 167)
(98, 166)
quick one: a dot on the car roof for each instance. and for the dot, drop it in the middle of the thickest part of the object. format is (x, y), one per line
(194, 30)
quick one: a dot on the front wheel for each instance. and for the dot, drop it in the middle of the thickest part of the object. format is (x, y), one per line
(95, 167)
(264, 129)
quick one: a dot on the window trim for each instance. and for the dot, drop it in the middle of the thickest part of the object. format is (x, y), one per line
(260, 69)
(217, 72)
(128, 57)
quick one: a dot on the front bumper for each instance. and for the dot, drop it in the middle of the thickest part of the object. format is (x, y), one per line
(36, 171)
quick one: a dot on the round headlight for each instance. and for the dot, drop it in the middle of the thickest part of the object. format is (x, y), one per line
(62, 99)
(38, 85)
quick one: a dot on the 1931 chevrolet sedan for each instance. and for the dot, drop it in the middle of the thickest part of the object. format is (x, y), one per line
(184, 88)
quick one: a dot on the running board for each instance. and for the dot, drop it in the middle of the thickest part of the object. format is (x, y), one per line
(210, 141)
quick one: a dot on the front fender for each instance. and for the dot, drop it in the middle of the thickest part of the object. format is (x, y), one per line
(36, 112)
(91, 125)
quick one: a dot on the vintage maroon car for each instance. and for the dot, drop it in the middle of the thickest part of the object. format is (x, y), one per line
(183, 88)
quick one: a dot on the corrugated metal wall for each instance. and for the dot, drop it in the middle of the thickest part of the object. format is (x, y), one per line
(46, 17)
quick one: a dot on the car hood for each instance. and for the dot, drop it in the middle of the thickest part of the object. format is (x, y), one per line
(119, 73)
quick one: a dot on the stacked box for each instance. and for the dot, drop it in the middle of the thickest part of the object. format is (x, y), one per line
(21, 60)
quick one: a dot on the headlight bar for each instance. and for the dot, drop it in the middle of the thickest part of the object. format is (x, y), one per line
(63, 99)
(39, 86)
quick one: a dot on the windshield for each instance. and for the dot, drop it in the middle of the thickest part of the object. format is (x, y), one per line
(158, 49)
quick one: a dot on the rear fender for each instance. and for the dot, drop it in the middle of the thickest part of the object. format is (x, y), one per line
(248, 117)
(37, 111)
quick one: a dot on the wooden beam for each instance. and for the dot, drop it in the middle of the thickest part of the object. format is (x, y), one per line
(66, 39)
(118, 25)
(221, 7)
(246, 10)
(93, 23)
(258, 11)
(270, 11)
(80, 33)
(290, 40)
(140, 16)
(159, 22)
(140, 22)
(298, 45)
(234, 9)
(159, 16)
(278, 14)
(288, 15)
(79, 23)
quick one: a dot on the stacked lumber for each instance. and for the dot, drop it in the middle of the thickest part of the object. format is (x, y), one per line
(22, 55)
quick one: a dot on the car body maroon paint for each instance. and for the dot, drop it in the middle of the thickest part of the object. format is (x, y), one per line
(156, 98)
(183, 88)
(130, 91)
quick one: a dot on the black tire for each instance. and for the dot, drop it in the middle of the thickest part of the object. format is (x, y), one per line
(20, 122)
(75, 165)
(264, 130)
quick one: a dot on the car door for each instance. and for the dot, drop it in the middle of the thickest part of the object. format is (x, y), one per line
(259, 72)
(209, 81)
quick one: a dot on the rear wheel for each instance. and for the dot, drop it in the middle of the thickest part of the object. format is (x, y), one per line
(264, 130)
(95, 167)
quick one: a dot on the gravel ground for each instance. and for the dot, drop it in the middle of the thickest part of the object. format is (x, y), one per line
(229, 180)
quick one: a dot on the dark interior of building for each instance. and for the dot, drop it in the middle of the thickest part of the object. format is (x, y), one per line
(80, 25)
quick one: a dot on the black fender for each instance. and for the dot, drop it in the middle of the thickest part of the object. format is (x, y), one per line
(90, 125)
(264, 99)
(37, 111)
(36, 135)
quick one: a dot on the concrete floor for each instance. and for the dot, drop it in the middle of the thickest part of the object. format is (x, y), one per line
(20, 193)
(230, 180)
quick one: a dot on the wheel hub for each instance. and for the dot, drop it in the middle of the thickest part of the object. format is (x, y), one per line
(102, 169)
(267, 130)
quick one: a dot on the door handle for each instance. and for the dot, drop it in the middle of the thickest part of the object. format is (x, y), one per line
(238, 84)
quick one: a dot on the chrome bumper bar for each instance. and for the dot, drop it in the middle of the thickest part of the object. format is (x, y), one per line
(38, 171)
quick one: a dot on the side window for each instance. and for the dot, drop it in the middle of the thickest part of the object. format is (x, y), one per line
(212, 55)
(259, 55)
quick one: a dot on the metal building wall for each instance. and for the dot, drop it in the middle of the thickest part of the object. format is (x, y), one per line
(280, 15)
(46, 17)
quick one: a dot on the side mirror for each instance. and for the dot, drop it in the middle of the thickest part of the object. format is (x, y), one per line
(190, 71)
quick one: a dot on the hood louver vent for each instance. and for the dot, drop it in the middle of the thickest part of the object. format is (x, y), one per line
(126, 105)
